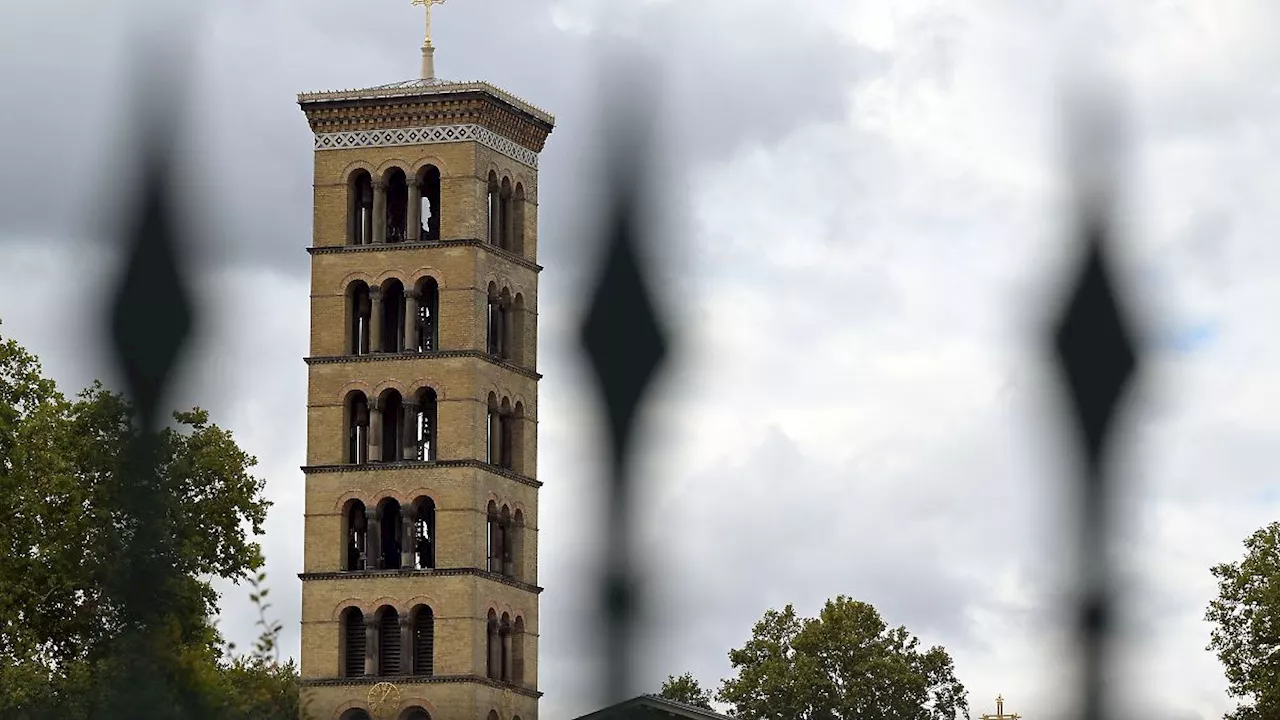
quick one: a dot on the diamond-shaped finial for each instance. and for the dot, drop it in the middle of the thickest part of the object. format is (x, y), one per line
(1094, 344)
(621, 333)
(153, 315)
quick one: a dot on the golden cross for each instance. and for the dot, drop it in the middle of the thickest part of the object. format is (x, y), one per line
(427, 4)
(1000, 712)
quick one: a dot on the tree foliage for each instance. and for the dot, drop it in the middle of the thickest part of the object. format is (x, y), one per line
(1246, 633)
(68, 648)
(686, 689)
(844, 664)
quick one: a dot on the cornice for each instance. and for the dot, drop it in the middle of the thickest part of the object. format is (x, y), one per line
(438, 572)
(417, 464)
(428, 88)
(420, 679)
(421, 245)
(380, 357)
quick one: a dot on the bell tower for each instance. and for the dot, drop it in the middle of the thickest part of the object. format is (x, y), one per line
(420, 579)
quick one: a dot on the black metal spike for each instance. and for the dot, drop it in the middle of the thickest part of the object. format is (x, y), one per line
(626, 345)
(1096, 354)
(152, 318)
(153, 315)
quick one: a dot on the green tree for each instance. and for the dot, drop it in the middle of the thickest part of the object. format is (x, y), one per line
(686, 689)
(1246, 632)
(846, 663)
(66, 644)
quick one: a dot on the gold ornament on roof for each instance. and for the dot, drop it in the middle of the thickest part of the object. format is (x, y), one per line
(427, 4)
(1000, 712)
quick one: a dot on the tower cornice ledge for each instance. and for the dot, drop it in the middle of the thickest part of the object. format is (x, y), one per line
(428, 102)
(458, 242)
(375, 357)
(416, 679)
(383, 574)
(408, 465)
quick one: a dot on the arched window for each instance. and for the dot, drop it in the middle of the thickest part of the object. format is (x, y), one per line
(493, 535)
(391, 530)
(355, 531)
(353, 643)
(519, 354)
(493, 313)
(393, 313)
(415, 713)
(506, 447)
(359, 307)
(357, 417)
(517, 424)
(427, 335)
(424, 534)
(517, 545)
(517, 240)
(505, 215)
(429, 180)
(517, 652)
(388, 641)
(355, 714)
(507, 566)
(421, 443)
(504, 636)
(424, 634)
(391, 412)
(505, 338)
(397, 205)
(495, 209)
(360, 208)
(493, 648)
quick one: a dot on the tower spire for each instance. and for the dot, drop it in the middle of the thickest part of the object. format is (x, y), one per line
(428, 50)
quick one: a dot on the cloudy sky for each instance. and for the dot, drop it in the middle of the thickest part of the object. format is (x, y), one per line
(862, 240)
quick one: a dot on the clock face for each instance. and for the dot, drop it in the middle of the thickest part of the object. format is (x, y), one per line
(383, 697)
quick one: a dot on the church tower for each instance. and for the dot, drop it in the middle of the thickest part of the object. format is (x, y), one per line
(420, 584)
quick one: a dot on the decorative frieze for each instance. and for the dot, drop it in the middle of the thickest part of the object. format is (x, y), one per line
(426, 136)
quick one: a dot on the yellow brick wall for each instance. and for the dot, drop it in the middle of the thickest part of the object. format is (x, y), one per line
(461, 602)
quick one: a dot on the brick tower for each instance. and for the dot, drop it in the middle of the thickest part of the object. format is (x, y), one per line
(419, 593)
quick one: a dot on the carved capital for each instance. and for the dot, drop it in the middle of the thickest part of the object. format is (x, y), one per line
(375, 293)
(413, 181)
(371, 514)
(379, 186)
(412, 295)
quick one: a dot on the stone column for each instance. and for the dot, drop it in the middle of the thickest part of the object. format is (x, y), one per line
(508, 545)
(406, 645)
(379, 212)
(508, 222)
(411, 320)
(371, 644)
(410, 431)
(413, 233)
(506, 654)
(507, 329)
(373, 537)
(375, 320)
(375, 432)
(408, 516)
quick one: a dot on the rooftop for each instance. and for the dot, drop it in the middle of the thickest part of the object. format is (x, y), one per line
(425, 88)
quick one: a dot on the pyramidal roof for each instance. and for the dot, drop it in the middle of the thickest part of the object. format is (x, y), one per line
(424, 87)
